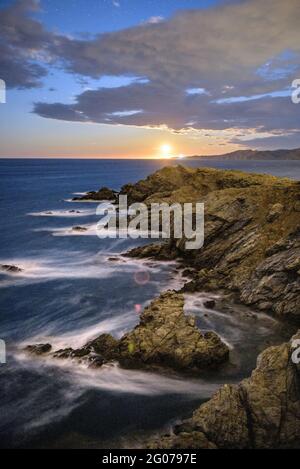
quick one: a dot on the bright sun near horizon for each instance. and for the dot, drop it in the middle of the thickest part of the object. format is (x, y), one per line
(166, 150)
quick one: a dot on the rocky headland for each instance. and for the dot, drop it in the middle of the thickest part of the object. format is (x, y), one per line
(252, 234)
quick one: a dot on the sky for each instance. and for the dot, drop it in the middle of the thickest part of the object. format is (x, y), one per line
(148, 78)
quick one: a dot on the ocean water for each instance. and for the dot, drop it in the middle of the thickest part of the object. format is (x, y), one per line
(69, 291)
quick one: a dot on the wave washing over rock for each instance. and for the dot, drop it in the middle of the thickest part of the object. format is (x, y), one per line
(165, 337)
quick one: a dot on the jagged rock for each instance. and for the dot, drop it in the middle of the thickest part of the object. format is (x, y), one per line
(161, 251)
(11, 268)
(38, 349)
(95, 361)
(104, 348)
(275, 283)
(209, 304)
(105, 345)
(63, 353)
(71, 353)
(102, 194)
(263, 411)
(81, 355)
(167, 337)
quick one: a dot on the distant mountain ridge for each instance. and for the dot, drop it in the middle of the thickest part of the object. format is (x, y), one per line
(258, 155)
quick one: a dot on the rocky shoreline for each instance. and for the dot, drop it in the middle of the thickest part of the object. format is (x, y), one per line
(251, 253)
(165, 338)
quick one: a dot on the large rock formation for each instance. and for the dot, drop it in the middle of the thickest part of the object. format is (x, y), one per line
(164, 338)
(252, 234)
(167, 337)
(263, 411)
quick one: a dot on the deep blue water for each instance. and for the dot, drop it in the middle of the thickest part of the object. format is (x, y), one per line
(69, 291)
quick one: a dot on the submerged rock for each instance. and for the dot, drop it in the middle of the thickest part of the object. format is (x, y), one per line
(263, 411)
(102, 194)
(79, 228)
(11, 268)
(209, 304)
(38, 349)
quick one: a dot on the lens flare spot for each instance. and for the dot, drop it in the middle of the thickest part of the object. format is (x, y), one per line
(141, 277)
(131, 347)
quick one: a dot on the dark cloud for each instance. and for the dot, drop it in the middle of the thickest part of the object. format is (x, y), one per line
(158, 105)
(22, 40)
(17, 72)
(231, 50)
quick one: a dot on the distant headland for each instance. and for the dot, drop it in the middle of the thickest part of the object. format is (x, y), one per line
(293, 154)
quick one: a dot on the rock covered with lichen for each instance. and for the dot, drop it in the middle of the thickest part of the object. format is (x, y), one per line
(167, 337)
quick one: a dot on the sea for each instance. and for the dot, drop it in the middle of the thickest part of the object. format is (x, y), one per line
(74, 286)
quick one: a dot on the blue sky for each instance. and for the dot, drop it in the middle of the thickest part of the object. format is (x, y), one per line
(96, 16)
(104, 78)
